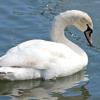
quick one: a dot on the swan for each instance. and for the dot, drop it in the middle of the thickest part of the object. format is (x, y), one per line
(49, 59)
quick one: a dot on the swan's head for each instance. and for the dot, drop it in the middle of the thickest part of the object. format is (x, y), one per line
(84, 23)
(81, 21)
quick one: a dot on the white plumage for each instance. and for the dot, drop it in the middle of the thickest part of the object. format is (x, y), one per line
(45, 59)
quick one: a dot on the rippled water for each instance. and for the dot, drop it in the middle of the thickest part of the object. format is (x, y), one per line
(21, 20)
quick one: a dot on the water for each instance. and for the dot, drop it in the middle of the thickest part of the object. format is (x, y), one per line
(30, 19)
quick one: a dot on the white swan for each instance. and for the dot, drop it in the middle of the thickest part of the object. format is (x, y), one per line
(44, 59)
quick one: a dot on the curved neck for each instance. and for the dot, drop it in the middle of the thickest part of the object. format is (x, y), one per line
(57, 34)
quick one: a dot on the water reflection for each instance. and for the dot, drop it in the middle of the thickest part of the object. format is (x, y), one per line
(59, 89)
(83, 96)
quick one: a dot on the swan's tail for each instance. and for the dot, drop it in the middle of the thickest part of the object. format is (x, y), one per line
(5, 76)
(2, 75)
(11, 73)
(6, 73)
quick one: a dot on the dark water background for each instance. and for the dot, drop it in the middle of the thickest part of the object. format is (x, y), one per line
(22, 20)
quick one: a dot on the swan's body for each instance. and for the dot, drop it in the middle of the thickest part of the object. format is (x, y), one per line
(44, 59)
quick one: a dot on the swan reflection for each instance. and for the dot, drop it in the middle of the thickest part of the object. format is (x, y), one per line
(45, 90)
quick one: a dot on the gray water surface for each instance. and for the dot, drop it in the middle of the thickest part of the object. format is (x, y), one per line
(22, 20)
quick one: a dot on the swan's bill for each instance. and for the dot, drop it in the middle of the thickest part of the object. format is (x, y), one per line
(88, 35)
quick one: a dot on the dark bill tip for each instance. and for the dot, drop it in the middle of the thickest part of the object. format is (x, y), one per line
(88, 36)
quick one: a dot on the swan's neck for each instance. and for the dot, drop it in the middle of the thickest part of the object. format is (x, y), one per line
(57, 35)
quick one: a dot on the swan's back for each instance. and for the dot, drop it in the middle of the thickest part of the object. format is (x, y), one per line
(37, 51)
